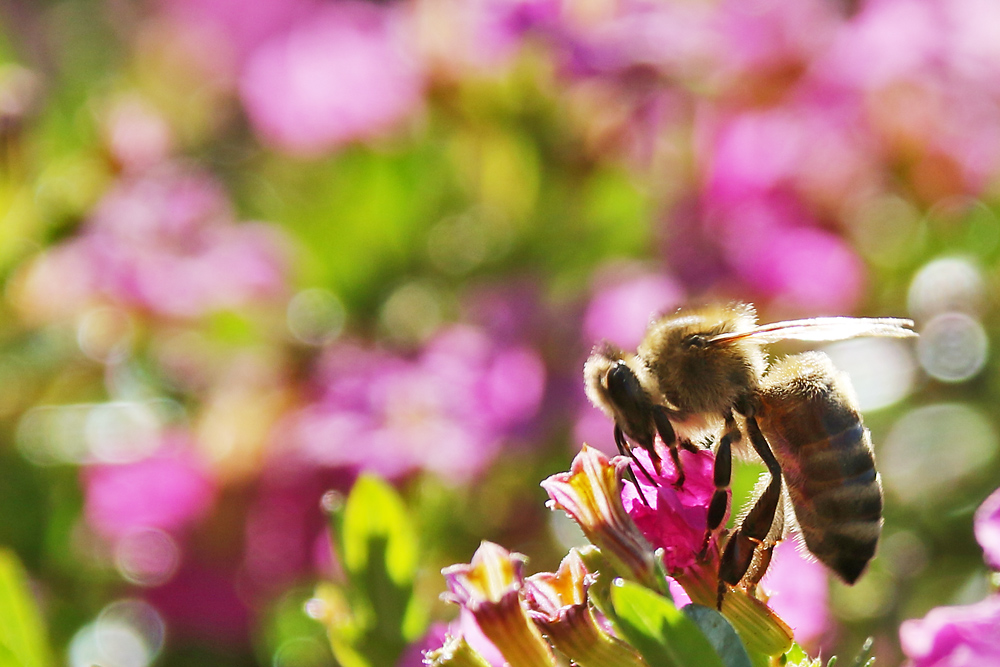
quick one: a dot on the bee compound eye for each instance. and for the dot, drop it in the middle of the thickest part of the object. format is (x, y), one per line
(623, 385)
(696, 341)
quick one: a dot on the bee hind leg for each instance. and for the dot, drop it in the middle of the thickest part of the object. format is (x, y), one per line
(722, 473)
(755, 528)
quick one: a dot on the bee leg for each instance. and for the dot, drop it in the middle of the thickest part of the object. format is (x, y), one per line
(666, 430)
(625, 450)
(739, 552)
(722, 474)
(760, 565)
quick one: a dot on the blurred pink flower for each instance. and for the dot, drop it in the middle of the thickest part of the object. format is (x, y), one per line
(675, 519)
(165, 242)
(433, 639)
(764, 36)
(797, 589)
(241, 25)
(987, 527)
(773, 245)
(168, 490)
(961, 636)
(966, 636)
(348, 71)
(621, 312)
(478, 35)
(448, 411)
(929, 73)
(203, 603)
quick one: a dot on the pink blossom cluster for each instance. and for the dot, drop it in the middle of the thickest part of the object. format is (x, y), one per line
(312, 75)
(803, 117)
(448, 410)
(163, 241)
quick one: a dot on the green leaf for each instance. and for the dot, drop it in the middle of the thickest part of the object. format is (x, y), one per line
(379, 552)
(664, 635)
(720, 634)
(23, 641)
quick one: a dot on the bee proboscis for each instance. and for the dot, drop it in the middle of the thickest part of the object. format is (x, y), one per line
(702, 373)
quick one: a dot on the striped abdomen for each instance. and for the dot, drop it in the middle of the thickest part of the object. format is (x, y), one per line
(809, 417)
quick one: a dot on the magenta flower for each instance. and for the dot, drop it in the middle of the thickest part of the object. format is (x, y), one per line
(675, 519)
(168, 491)
(204, 603)
(965, 636)
(348, 71)
(987, 527)
(449, 411)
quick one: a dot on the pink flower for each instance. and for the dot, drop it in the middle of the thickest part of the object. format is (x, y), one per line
(962, 636)
(591, 494)
(347, 72)
(798, 591)
(168, 491)
(490, 587)
(987, 527)
(966, 636)
(675, 519)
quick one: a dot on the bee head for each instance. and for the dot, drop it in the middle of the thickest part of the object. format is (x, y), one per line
(612, 381)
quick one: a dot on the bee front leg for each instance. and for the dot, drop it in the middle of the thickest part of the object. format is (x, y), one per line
(754, 530)
(625, 450)
(661, 419)
(722, 474)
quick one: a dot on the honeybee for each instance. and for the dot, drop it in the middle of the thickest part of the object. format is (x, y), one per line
(702, 373)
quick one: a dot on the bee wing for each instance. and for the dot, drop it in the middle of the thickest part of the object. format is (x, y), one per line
(824, 329)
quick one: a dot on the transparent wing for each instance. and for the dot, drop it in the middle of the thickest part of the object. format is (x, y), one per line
(824, 329)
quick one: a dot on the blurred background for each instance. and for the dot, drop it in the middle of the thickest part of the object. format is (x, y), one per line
(251, 249)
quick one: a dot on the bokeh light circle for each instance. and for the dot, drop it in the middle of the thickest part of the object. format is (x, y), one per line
(952, 347)
(316, 316)
(949, 284)
(126, 633)
(933, 448)
(147, 556)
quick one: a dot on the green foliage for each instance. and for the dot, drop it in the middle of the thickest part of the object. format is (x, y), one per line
(23, 641)
(663, 634)
(374, 613)
(720, 633)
